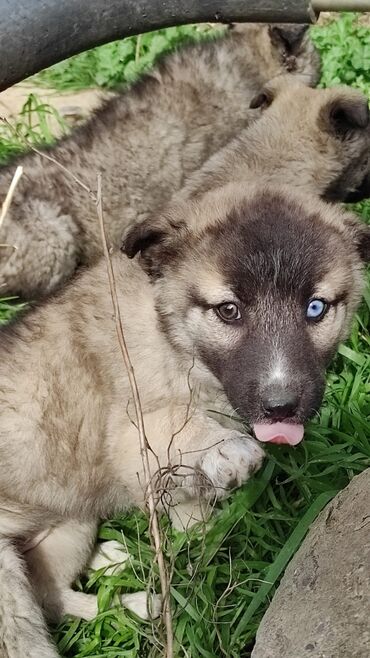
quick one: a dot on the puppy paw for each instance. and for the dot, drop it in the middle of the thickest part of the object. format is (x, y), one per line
(109, 556)
(144, 606)
(230, 463)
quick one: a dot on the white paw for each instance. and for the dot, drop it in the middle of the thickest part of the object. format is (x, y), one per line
(230, 463)
(142, 605)
(109, 556)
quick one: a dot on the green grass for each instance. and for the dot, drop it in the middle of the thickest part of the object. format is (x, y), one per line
(119, 62)
(345, 50)
(32, 126)
(223, 579)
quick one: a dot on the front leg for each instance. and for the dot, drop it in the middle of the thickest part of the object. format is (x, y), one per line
(231, 463)
(224, 466)
(191, 454)
(226, 460)
(208, 459)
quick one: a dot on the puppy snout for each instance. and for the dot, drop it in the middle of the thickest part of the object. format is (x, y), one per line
(279, 403)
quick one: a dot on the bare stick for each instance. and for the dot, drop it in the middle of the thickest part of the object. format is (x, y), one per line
(63, 168)
(46, 156)
(154, 523)
(8, 199)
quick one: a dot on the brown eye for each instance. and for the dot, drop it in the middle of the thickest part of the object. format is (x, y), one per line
(228, 312)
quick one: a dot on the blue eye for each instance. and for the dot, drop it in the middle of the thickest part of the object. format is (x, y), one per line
(316, 309)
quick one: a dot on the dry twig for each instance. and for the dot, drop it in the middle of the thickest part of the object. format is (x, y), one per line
(50, 158)
(144, 448)
(8, 199)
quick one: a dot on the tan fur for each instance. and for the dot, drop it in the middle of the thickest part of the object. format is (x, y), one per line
(292, 144)
(145, 142)
(69, 452)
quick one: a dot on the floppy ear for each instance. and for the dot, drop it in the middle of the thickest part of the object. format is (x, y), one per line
(361, 192)
(287, 37)
(360, 235)
(346, 113)
(362, 241)
(262, 100)
(157, 241)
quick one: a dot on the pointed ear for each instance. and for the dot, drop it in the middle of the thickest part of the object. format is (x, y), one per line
(360, 235)
(288, 37)
(157, 241)
(142, 236)
(345, 113)
(361, 192)
(262, 100)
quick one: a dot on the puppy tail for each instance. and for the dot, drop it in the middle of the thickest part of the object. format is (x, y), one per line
(23, 632)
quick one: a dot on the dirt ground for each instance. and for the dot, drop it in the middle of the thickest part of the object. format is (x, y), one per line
(72, 106)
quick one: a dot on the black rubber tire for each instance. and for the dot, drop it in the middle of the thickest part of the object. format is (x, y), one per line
(35, 34)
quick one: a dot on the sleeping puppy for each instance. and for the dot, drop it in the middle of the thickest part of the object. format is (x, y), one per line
(146, 141)
(236, 303)
(314, 140)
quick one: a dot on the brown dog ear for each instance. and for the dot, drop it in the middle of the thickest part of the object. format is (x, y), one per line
(360, 235)
(345, 114)
(362, 241)
(287, 37)
(157, 241)
(262, 100)
(361, 192)
(142, 236)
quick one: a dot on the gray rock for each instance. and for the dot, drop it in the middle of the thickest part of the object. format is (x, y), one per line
(322, 607)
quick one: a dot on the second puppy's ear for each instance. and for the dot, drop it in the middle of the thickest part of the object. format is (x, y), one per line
(262, 100)
(361, 192)
(288, 37)
(359, 233)
(156, 239)
(345, 113)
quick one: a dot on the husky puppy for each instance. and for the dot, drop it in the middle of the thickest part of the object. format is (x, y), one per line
(146, 141)
(244, 295)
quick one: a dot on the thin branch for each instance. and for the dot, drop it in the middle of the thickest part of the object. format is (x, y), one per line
(65, 169)
(45, 155)
(152, 505)
(187, 413)
(8, 199)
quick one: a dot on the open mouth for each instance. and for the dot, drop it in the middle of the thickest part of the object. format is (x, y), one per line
(288, 433)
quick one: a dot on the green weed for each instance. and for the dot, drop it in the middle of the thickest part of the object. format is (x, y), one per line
(32, 126)
(119, 62)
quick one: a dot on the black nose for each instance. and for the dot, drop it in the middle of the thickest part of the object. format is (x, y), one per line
(279, 403)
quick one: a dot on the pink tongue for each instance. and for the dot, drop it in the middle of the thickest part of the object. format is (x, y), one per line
(279, 433)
